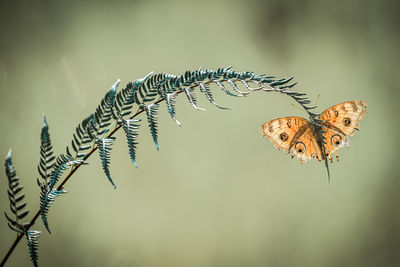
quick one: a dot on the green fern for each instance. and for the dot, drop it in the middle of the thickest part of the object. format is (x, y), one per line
(17, 208)
(63, 162)
(131, 131)
(151, 112)
(32, 237)
(126, 98)
(15, 196)
(119, 110)
(103, 114)
(192, 98)
(170, 99)
(47, 198)
(47, 158)
(47, 162)
(205, 89)
(104, 145)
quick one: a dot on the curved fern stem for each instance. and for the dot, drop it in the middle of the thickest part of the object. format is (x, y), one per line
(144, 92)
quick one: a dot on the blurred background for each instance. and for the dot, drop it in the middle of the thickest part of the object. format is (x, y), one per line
(216, 194)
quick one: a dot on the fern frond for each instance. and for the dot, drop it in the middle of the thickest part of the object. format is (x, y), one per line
(103, 114)
(222, 87)
(104, 145)
(205, 89)
(83, 137)
(192, 98)
(151, 112)
(63, 162)
(32, 236)
(15, 196)
(127, 97)
(46, 200)
(168, 84)
(248, 87)
(147, 91)
(131, 130)
(234, 87)
(47, 158)
(170, 98)
(14, 225)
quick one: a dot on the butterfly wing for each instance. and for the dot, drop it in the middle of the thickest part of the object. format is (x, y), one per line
(345, 116)
(306, 147)
(334, 140)
(296, 135)
(340, 121)
(282, 131)
(292, 134)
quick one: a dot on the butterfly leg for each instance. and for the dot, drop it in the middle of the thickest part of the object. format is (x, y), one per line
(337, 156)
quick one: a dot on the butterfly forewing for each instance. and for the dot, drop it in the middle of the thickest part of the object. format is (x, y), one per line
(345, 116)
(282, 131)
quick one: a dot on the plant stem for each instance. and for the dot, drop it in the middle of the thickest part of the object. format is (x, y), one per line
(76, 167)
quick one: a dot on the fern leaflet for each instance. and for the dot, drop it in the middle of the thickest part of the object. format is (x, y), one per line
(170, 99)
(235, 88)
(16, 206)
(46, 153)
(32, 236)
(131, 130)
(222, 87)
(127, 97)
(205, 88)
(192, 98)
(15, 196)
(63, 162)
(46, 200)
(103, 114)
(83, 136)
(151, 112)
(104, 145)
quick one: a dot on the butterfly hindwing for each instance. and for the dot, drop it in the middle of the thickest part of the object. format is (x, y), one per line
(306, 147)
(334, 140)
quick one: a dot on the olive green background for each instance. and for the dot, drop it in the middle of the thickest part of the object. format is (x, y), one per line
(216, 194)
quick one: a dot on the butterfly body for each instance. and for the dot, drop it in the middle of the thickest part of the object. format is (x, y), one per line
(302, 139)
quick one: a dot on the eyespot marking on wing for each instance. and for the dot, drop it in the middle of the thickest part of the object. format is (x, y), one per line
(284, 136)
(347, 122)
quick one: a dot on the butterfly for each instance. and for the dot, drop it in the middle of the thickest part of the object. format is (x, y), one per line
(299, 137)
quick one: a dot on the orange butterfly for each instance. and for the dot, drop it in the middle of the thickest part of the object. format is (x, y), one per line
(297, 135)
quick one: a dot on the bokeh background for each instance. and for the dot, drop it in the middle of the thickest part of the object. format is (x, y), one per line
(216, 194)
